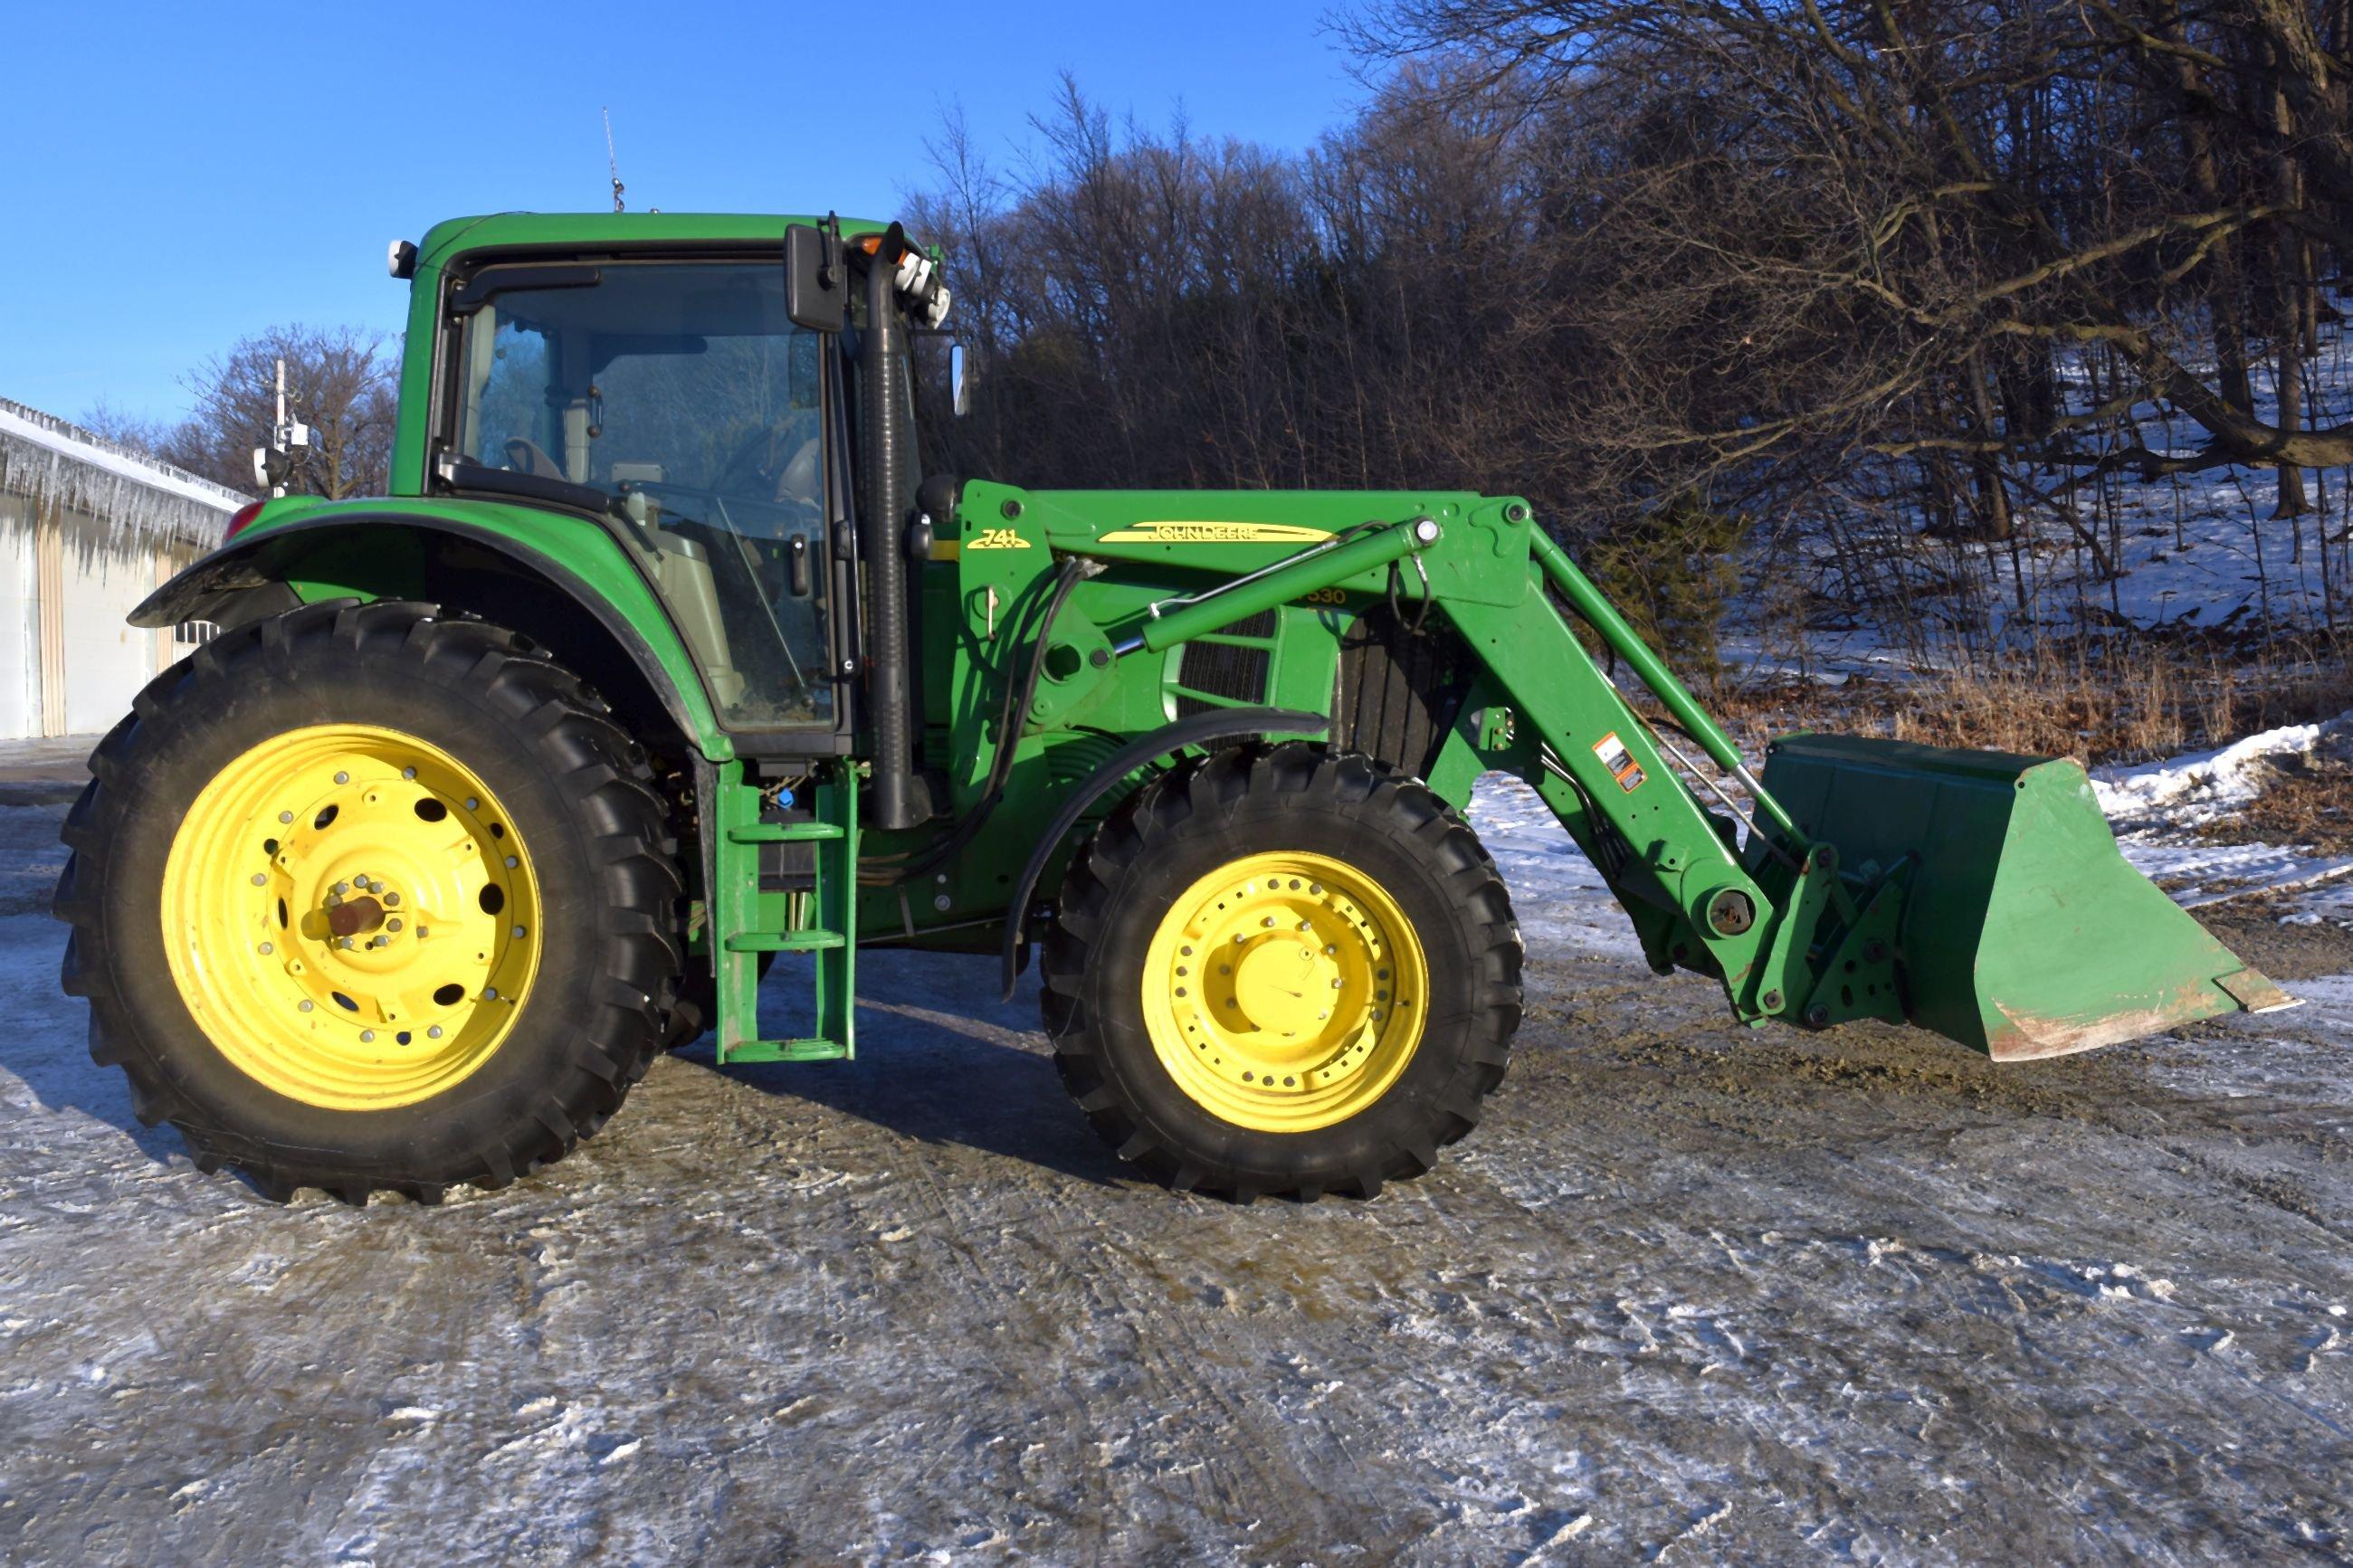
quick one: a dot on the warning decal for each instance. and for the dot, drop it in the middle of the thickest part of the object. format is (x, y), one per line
(1618, 761)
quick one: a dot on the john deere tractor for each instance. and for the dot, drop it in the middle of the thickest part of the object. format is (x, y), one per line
(667, 657)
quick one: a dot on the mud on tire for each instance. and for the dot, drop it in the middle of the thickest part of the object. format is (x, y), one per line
(1251, 800)
(575, 786)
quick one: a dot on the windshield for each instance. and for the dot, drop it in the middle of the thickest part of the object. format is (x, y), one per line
(684, 387)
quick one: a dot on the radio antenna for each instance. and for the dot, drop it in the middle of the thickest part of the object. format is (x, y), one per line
(612, 161)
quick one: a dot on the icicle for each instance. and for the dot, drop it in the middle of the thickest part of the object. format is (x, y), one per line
(135, 501)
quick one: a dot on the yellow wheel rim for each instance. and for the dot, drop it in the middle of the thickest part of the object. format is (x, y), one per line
(1285, 991)
(351, 917)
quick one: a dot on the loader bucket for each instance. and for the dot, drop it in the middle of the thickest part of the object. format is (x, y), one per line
(2024, 933)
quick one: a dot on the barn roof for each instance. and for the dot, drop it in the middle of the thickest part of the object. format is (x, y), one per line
(134, 499)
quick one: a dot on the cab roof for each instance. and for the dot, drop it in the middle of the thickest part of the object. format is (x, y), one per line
(501, 231)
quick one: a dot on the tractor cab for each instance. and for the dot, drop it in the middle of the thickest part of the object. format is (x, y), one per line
(679, 392)
(719, 411)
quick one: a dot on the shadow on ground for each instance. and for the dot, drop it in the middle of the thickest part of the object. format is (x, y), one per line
(941, 1061)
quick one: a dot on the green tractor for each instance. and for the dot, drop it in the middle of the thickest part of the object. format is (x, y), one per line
(665, 657)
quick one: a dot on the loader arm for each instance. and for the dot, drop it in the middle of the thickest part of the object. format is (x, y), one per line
(1983, 899)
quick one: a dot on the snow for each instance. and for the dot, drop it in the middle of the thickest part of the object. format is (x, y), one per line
(2198, 873)
(1560, 899)
(2202, 786)
(2195, 552)
(2156, 806)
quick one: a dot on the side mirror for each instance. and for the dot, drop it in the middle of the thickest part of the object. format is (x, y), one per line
(956, 381)
(816, 294)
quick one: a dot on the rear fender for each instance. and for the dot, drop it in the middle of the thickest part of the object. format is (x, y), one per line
(592, 609)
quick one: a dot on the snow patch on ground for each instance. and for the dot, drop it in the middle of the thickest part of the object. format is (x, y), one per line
(2202, 786)
(2198, 873)
(1558, 896)
(2155, 807)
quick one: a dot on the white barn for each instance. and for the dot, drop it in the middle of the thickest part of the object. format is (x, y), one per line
(88, 529)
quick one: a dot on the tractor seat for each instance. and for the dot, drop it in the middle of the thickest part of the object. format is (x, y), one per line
(525, 456)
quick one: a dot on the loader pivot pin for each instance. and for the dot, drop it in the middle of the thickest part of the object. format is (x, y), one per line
(1730, 912)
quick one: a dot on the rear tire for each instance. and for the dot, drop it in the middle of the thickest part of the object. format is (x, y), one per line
(562, 884)
(1304, 1065)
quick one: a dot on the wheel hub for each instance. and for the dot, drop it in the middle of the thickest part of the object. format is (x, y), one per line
(1285, 991)
(357, 918)
(351, 917)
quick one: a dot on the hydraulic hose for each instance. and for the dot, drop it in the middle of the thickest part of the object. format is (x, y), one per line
(1015, 708)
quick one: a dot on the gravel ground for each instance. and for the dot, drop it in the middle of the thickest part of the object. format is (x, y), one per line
(1690, 1293)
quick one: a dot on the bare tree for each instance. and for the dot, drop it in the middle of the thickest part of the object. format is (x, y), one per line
(339, 381)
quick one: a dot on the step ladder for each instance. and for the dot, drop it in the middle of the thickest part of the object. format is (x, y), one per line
(821, 920)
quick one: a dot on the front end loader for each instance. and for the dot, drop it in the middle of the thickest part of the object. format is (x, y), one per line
(665, 662)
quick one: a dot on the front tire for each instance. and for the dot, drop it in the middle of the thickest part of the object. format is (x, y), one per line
(364, 898)
(1283, 970)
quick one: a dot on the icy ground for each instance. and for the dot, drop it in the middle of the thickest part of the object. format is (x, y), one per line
(1690, 1294)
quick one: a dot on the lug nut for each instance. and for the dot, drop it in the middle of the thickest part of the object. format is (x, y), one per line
(260, 879)
(341, 888)
(392, 925)
(342, 778)
(472, 805)
(490, 993)
(423, 931)
(346, 942)
(381, 942)
(285, 816)
(367, 1036)
(392, 898)
(518, 933)
(408, 773)
(267, 949)
(513, 862)
(305, 1006)
(434, 1032)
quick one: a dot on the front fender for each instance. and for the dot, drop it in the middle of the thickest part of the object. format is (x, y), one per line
(385, 549)
(1224, 723)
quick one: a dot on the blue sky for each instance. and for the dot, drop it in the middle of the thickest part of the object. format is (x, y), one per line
(180, 175)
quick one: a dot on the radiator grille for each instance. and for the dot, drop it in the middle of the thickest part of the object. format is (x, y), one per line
(1220, 670)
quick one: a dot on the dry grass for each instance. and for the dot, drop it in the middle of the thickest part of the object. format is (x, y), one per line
(2154, 701)
(2311, 807)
